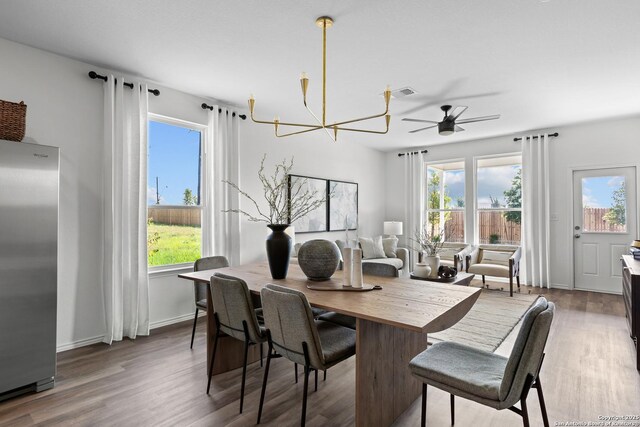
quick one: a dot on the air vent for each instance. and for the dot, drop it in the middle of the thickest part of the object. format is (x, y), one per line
(401, 93)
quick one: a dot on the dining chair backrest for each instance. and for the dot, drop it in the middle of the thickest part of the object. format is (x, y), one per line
(288, 317)
(207, 263)
(379, 269)
(232, 304)
(528, 350)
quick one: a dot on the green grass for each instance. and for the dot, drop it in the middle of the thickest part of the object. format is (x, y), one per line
(173, 244)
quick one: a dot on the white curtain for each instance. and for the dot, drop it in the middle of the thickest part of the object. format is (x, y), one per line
(414, 200)
(220, 230)
(125, 279)
(535, 209)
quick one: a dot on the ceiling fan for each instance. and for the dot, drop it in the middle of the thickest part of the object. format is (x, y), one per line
(450, 122)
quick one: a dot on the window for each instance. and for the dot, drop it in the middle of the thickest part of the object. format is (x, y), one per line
(604, 204)
(173, 192)
(445, 205)
(499, 200)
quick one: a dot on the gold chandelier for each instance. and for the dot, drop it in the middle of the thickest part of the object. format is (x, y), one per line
(332, 129)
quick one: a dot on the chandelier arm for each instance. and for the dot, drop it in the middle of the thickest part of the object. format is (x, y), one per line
(362, 119)
(298, 132)
(284, 123)
(364, 130)
(380, 132)
(318, 120)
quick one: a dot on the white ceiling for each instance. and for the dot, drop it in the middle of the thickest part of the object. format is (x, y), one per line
(538, 63)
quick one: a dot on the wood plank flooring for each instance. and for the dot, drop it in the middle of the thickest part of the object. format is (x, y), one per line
(157, 381)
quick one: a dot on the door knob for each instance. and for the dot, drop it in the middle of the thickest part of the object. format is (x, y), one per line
(577, 236)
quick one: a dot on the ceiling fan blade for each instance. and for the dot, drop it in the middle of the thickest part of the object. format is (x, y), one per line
(457, 111)
(478, 119)
(459, 129)
(421, 129)
(418, 120)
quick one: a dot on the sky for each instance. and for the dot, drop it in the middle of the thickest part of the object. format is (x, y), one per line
(492, 182)
(173, 158)
(597, 191)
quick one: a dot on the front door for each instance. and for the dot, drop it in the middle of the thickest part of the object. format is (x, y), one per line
(604, 224)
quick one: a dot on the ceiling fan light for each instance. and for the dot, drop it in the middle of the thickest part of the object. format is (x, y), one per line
(446, 128)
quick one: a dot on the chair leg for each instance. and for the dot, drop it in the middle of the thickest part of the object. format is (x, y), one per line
(423, 419)
(543, 407)
(525, 412)
(244, 373)
(325, 375)
(264, 384)
(261, 354)
(295, 370)
(193, 331)
(213, 358)
(518, 280)
(316, 380)
(510, 286)
(304, 395)
(483, 280)
(453, 410)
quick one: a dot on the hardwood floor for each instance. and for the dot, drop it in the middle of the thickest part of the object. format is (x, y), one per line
(588, 372)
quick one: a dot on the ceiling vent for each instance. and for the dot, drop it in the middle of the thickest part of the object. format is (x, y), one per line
(401, 93)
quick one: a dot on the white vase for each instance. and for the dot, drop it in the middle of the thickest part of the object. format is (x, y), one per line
(433, 261)
(422, 270)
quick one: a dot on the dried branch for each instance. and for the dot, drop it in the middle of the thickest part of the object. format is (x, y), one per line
(285, 205)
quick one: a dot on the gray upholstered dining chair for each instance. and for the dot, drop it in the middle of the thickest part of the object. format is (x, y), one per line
(235, 316)
(200, 289)
(294, 334)
(488, 378)
(368, 269)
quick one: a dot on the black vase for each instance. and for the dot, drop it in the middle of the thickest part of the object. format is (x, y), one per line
(278, 250)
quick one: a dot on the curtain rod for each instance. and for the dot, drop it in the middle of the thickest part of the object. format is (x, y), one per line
(414, 152)
(93, 75)
(210, 107)
(535, 136)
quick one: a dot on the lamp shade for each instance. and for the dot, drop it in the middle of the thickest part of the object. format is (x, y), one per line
(393, 228)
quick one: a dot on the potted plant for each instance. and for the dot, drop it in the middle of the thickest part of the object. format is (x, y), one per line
(284, 206)
(430, 245)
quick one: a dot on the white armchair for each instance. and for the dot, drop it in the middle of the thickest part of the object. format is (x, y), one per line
(454, 254)
(497, 261)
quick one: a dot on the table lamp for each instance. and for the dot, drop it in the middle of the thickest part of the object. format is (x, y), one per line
(393, 228)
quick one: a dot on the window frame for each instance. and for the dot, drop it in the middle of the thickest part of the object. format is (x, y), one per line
(161, 270)
(442, 211)
(476, 209)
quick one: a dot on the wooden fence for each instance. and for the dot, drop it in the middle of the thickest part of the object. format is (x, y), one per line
(593, 220)
(494, 227)
(175, 215)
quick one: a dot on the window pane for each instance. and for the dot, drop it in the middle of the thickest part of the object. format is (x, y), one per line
(445, 186)
(454, 227)
(499, 186)
(174, 165)
(499, 227)
(604, 204)
(173, 194)
(173, 235)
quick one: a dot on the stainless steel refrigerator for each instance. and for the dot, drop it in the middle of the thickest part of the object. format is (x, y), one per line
(29, 176)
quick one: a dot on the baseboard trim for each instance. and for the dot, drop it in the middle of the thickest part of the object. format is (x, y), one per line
(172, 320)
(98, 339)
(80, 343)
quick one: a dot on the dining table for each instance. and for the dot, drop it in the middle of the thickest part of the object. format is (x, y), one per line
(392, 324)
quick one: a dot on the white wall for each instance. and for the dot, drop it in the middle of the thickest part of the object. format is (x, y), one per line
(589, 145)
(65, 109)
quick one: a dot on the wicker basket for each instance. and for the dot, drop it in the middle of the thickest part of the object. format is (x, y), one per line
(12, 120)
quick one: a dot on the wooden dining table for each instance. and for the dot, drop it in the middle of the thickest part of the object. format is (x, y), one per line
(391, 328)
